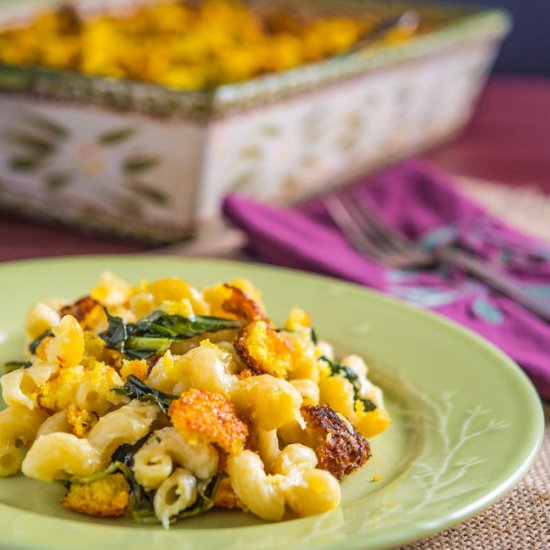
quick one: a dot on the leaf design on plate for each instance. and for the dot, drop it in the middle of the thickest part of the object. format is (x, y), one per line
(308, 160)
(352, 131)
(114, 137)
(24, 164)
(439, 472)
(49, 126)
(37, 146)
(149, 192)
(244, 183)
(140, 164)
(57, 180)
(312, 126)
(251, 152)
(270, 130)
(128, 206)
(438, 478)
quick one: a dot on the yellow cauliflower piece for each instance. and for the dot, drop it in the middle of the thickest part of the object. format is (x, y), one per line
(298, 319)
(371, 423)
(87, 311)
(111, 290)
(136, 367)
(182, 307)
(217, 295)
(105, 497)
(264, 350)
(337, 392)
(147, 297)
(305, 363)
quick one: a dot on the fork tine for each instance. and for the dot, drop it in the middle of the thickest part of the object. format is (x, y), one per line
(371, 225)
(342, 218)
(369, 232)
(398, 240)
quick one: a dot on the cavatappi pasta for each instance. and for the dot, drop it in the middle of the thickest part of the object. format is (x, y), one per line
(161, 401)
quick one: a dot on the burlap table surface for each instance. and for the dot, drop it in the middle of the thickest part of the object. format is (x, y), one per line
(521, 519)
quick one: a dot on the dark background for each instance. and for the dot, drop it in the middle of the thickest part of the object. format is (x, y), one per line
(526, 51)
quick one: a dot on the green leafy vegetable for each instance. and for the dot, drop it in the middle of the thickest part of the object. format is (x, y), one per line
(351, 376)
(206, 491)
(313, 336)
(156, 332)
(136, 389)
(125, 453)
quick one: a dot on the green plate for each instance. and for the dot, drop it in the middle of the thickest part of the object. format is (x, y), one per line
(467, 423)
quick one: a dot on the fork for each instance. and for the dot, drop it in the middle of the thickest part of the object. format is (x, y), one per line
(364, 230)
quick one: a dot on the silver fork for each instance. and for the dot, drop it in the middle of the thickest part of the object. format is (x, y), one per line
(370, 236)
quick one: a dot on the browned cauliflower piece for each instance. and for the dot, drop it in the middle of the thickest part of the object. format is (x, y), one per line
(242, 306)
(105, 497)
(87, 311)
(340, 448)
(203, 415)
(263, 350)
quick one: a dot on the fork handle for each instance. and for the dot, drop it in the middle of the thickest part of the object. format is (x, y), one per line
(495, 279)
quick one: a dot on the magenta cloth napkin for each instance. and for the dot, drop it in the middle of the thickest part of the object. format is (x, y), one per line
(424, 204)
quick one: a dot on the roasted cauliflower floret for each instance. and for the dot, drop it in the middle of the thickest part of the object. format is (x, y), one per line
(146, 297)
(338, 446)
(298, 319)
(348, 391)
(202, 415)
(111, 290)
(242, 306)
(105, 497)
(136, 367)
(87, 311)
(263, 350)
